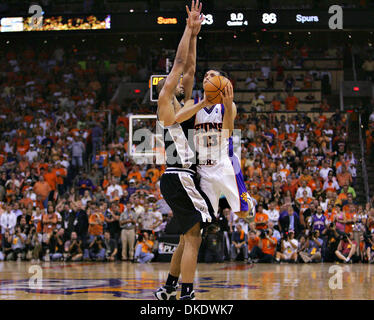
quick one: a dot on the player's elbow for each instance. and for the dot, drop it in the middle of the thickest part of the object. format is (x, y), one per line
(180, 62)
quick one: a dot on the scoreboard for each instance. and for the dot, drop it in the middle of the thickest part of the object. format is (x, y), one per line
(271, 19)
(248, 19)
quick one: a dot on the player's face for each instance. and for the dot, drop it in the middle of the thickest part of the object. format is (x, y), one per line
(179, 92)
(210, 74)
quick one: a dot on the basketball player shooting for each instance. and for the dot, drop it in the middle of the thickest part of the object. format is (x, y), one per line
(218, 166)
(190, 206)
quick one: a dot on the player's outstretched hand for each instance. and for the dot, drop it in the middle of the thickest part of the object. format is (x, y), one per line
(195, 16)
(189, 21)
(228, 95)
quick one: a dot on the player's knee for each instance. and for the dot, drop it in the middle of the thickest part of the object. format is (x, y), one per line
(192, 238)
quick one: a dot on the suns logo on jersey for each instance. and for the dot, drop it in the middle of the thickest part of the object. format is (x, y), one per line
(244, 196)
(208, 127)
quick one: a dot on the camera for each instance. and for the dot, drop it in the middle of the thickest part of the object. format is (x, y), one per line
(263, 234)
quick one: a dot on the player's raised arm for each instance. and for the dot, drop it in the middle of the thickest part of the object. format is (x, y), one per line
(190, 109)
(165, 107)
(190, 68)
(230, 109)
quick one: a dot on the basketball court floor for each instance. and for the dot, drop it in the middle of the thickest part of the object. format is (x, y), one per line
(227, 281)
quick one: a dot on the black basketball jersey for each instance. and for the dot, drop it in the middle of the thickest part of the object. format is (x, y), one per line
(179, 145)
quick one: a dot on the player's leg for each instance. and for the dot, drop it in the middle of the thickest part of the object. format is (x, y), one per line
(189, 208)
(192, 242)
(209, 185)
(175, 264)
(234, 189)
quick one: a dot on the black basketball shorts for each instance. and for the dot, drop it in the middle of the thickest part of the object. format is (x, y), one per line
(189, 204)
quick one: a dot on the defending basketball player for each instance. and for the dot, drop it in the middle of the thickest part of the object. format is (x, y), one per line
(191, 207)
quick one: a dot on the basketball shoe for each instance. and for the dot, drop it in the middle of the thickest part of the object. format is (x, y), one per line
(166, 293)
(190, 296)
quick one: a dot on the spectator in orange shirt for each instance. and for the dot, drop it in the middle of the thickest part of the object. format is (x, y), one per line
(23, 164)
(124, 120)
(261, 219)
(23, 146)
(153, 173)
(315, 183)
(135, 174)
(143, 251)
(117, 167)
(277, 105)
(51, 178)
(49, 221)
(42, 189)
(265, 251)
(291, 102)
(344, 178)
(96, 222)
(253, 240)
(61, 174)
(349, 218)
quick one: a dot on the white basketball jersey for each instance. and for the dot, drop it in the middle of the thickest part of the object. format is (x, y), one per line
(210, 145)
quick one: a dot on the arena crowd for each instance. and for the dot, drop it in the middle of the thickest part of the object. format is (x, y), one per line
(69, 190)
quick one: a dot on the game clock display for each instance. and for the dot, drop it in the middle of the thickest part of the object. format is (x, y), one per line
(153, 82)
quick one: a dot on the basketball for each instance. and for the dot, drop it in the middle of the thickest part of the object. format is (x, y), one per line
(214, 87)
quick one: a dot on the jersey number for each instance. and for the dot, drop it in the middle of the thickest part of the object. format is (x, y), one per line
(210, 141)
